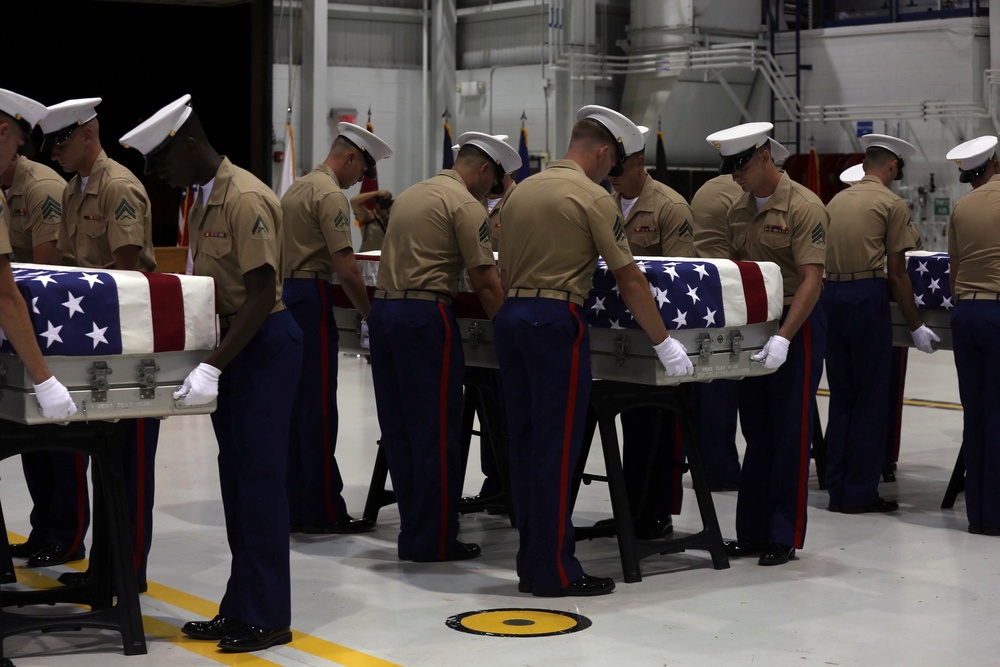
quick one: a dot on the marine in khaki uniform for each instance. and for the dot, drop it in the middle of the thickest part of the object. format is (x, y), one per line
(18, 115)
(373, 221)
(555, 225)
(106, 225)
(56, 480)
(657, 223)
(438, 229)
(776, 220)
(236, 238)
(869, 227)
(34, 194)
(317, 244)
(716, 403)
(493, 206)
(974, 248)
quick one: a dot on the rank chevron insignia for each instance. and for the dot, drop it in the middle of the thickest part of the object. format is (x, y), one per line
(819, 235)
(484, 233)
(260, 227)
(51, 208)
(125, 211)
(686, 230)
(619, 230)
(341, 221)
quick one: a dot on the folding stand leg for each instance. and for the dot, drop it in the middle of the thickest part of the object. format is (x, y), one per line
(819, 448)
(378, 495)
(619, 497)
(956, 484)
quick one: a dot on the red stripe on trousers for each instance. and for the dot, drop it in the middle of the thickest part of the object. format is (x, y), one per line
(443, 437)
(574, 378)
(806, 431)
(166, 301)
(140, 493)
(81, 501)
(754, 291)
(897, 423)
(324, 391)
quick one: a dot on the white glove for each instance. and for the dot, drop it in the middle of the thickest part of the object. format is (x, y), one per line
(200, 386)
(54, 399)
(364, 335)
(774, 352)
(923, 337)
(674, 357)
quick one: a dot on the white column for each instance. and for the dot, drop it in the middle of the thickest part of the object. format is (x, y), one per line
(315, 143)
(444, 21)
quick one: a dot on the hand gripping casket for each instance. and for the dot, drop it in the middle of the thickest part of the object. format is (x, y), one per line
(929, 273)
(722, 311)
(121, 341)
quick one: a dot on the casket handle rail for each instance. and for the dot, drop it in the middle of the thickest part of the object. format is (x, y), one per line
(704, 348)
(147, 378)
(621, 349)
(99, 381)
(736, 339)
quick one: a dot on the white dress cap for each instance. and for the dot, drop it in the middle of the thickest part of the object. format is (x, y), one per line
(624, 131)
(737, 145)
(972, 156)
(152, 135)
(373, 148)
(70, 113)
(853, 174)
(902, 149)
(501, 137)
(504, 158)
(23, 109)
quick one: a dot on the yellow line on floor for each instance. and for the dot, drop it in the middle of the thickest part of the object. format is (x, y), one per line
(315, 646)
(916, 402)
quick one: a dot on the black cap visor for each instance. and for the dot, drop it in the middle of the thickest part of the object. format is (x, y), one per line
(968, 176)
(371, 172)
(57, 138)
(899, 172)
(733, 163)
(617, 169)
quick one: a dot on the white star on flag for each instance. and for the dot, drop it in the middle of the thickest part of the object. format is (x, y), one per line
(598, 304)
(51, 334)
(615, 325)
(918, 299)
(34, 306)
(44, 280)
(681, 319)
(661, 297)
(672, 272)
(946, 303)
(700, 270)
(614, 288)
(642, 266)
(934, 286)
(73, 305)
(948, 270)
(709, 318)
(693, 293)
(91, 278)
(3, 336)
(922, 268)
(97, 335)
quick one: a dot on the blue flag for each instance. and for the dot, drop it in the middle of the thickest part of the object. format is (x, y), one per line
(522, 150)
(448, 160)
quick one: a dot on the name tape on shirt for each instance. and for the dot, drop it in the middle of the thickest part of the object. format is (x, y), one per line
(777, 229)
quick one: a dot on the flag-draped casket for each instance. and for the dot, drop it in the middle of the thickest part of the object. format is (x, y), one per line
(121, 341)
(929, 273)
(721, 310)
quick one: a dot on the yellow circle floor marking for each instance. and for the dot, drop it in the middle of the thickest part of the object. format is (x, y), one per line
(518, 622)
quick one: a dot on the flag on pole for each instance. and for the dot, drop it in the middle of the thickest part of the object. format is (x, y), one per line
(448, 160)
(187, 201)
(288, 165)
(369, 184)
(522, 150)
(812, 175)
(660, 170)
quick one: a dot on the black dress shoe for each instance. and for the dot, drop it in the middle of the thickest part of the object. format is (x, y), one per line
(218, 628)
(983, 530)
(739, 548)
(776, 554)
(880, 505)
(252, 638)
(523, 586)
(51, 554)
(459, 551)
(654, 528)
(584, 586)
(24, 549)
(345, 525)
(723, 487)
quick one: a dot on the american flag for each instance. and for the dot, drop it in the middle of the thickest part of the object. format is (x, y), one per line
(86, 312)
(930, 273)
(692, 294)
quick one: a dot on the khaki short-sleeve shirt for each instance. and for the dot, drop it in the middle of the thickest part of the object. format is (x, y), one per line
(316, 221)
(112, 212)
(659, 224)
(790, 230)
(238, 231)
(438, 229)
(555, 225)
(5, 248)
(495, 217)
(710, 207)
(867, 221)
(35, 201)
(974, 239)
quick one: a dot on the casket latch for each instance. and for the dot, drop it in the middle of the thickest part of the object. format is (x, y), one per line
(737, 341)
(704, 347)
(621, 349)
(147, 378)
(99, 381)
(475, 331)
